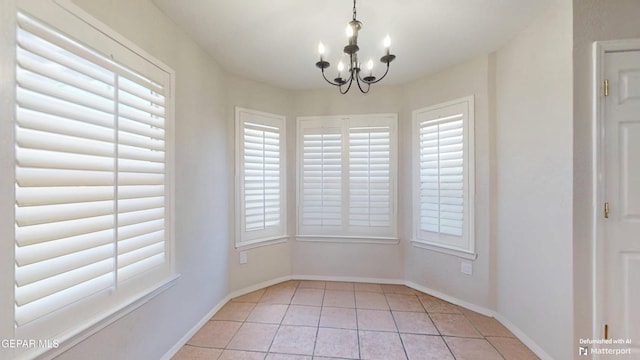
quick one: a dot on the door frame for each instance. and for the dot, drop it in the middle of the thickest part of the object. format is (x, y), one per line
(600, 49)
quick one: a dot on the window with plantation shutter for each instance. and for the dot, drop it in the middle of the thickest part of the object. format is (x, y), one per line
(91, 179)
(260, 165)
(443, 174)
(347, 178)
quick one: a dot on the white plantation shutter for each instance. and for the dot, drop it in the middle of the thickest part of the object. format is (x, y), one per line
(261, 176)
(89, 176)
(322, 177)
(261, 169)
(347, 177)
(441, 175)
(444, 180)
(370, 176)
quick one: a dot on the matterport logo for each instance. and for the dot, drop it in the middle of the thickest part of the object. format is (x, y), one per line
(29, 344)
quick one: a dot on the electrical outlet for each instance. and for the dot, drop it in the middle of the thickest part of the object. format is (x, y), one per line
(243, 257)
(466, 267)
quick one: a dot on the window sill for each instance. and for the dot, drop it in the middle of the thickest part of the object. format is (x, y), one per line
(99, 322)
(349, 239)
(273, 240)
(445, 250)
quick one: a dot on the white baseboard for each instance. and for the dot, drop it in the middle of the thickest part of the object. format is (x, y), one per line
(348, 279)
(523, 337)
(479, 309)
(252, 288)
(451, 299)
(175, 348)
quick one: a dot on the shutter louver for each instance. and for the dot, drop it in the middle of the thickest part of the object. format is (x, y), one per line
(322, 177)
(87, 175)
(442, 175)
(141, 160)
(369, 176)
(261, 181)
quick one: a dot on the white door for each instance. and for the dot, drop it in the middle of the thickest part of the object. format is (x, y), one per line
(622, 193)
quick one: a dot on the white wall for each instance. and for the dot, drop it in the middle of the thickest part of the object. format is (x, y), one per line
(534, 181)
(435, 270)
(264, 262)
(592, 20)
(202, 163)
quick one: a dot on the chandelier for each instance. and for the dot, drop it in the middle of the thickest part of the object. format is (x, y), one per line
(354, 71)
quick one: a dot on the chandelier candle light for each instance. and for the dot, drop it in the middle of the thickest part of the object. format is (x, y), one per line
(353, 72)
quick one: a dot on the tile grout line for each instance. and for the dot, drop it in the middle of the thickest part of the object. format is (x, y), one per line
(437, 329)
(355, 309)
(246, 321)
(430, 318)
(481, 334)
(281, 320)
(276, 333)
(315, 342)
(404, 349)
(442, 336)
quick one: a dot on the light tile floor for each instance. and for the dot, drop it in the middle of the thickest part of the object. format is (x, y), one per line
(318, 320)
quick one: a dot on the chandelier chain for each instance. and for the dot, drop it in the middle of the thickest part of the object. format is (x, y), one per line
(354, 10)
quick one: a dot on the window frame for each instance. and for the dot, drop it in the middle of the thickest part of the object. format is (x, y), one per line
(70, 324)
(270, 235)
(343, 235)
(463, 247)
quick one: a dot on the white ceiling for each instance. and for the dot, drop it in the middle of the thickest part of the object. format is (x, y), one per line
(275, 41)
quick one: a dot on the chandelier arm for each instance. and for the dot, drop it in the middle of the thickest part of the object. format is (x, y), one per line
(360, 86)
(382, 77)
(348, 87)
(329, 81)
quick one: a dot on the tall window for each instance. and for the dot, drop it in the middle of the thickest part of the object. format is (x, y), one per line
(347, 177)
(92, 181)
(443, 175)
(260, 164)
